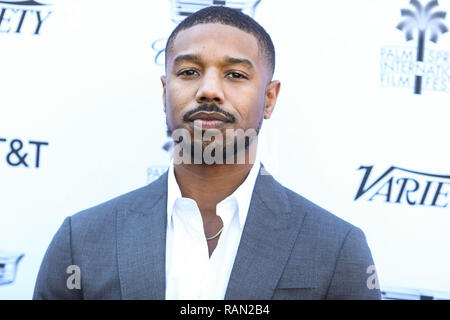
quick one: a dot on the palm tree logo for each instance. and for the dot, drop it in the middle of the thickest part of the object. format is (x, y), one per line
(423, 19)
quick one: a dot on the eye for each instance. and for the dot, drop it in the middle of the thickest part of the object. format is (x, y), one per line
(236, 75)
(187, 73)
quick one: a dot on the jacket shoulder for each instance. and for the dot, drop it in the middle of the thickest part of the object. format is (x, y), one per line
(103, 209)
(96, 226)
(135, 200)
(341, 253)
(316, 216)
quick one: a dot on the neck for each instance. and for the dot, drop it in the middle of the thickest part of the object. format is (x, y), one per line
(210, 184)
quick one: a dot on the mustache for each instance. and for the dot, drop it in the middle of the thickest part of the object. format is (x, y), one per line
(212, 107)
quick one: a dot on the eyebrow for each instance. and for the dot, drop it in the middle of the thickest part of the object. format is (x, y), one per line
(186, 57)
(231, 60)
(239, 61)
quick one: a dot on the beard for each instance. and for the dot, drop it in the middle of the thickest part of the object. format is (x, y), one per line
(199, 147)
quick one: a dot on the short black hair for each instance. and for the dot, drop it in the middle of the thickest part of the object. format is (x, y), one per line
(230, 17)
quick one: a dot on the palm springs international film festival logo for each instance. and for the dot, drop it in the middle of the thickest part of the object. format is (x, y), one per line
(418, 68)
(23, 17)
(405, 187)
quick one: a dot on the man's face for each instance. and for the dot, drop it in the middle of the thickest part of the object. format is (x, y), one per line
(217, 75)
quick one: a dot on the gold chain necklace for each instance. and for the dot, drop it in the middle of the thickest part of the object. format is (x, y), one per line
(215, 236)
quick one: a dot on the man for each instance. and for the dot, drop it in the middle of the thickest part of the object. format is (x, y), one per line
(213, 226)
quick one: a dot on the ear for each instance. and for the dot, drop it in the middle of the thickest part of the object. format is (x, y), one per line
(272, 91)
(163, 82)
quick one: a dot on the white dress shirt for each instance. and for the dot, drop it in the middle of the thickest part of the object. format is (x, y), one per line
(190, 273)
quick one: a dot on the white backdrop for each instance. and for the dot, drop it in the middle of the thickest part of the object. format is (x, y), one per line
(87, 84)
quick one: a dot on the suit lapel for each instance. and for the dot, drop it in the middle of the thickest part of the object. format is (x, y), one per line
(266, 243)
(141, 243)
(268, 237)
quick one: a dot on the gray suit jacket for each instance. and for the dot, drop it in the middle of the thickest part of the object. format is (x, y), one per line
(290, 249)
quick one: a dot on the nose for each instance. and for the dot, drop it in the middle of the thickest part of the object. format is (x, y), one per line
(210, 89)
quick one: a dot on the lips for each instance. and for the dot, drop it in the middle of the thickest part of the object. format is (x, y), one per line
(209, 120)
(209, 116)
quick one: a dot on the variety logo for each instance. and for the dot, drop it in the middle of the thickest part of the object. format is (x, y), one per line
(415, 67)
(23, 17)
(8, 266)
(403, 186)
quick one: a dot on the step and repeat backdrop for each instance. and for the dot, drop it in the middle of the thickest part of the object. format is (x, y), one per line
(361, 126)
